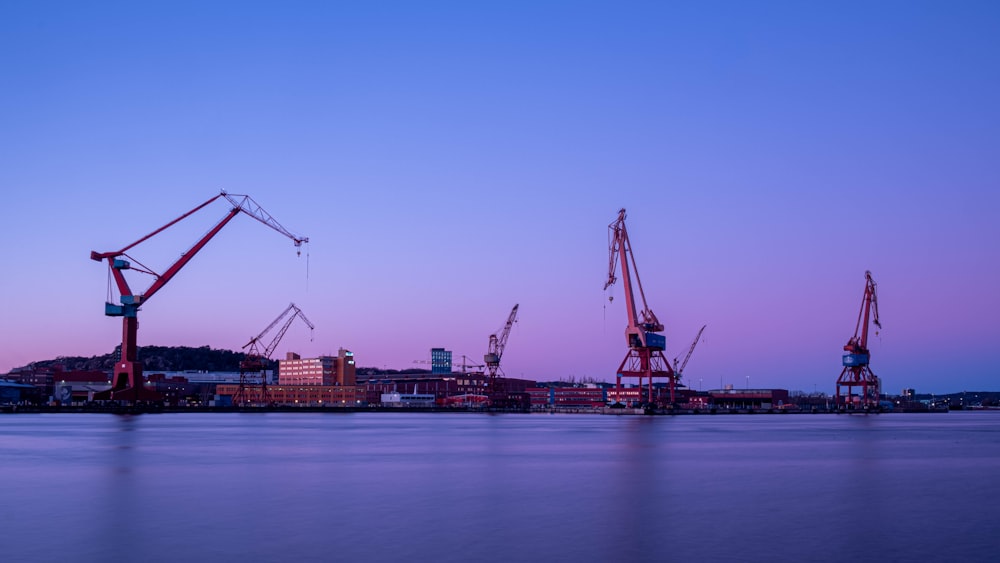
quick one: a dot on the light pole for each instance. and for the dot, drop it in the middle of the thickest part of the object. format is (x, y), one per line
(748, 383)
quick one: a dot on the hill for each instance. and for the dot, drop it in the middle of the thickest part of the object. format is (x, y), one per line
(154, 358)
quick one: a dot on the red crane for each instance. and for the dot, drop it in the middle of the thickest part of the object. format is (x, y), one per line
(126, 382)
(856, 372)
(644, 358)
(256, 360)
(497, 389)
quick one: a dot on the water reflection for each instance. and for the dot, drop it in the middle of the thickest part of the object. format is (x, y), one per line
(504, 488)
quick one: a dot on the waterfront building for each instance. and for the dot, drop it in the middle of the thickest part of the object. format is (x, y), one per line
(440, 361)
(588, 397)
(12, 392)
(323, 370)
(302, 395)
(408, 399)
(756, 399)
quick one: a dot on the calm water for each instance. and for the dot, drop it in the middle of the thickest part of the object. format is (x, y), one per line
(474, 487)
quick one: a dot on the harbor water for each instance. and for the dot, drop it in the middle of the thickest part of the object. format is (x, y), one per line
(479, 487)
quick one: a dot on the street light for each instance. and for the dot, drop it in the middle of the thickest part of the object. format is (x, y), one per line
(748, 383)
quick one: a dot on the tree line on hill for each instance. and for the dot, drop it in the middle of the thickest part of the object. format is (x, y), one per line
(177, 358)
(153, 358)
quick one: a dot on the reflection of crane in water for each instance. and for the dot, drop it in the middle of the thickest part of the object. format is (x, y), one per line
(254, 365)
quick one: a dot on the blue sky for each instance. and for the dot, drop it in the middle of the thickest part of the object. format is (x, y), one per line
(450, 159)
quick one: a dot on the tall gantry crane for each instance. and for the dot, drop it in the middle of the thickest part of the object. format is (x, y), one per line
(497, 389)
(856, 372)
(256, 361)
(644, 358)
(679, 369)
(127, 381)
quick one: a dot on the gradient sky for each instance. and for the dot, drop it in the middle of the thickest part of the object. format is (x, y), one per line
(451, 159)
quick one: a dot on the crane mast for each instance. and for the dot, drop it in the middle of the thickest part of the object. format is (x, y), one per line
(127, 381)
(644, 359)
(497, 389)
(256, 361)
(856, 372)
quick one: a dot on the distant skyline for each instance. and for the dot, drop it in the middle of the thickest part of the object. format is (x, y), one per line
(448, 160)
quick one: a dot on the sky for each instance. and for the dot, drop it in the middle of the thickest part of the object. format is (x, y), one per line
(448, 160)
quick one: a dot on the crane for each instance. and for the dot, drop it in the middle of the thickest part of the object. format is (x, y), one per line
(497, 389)
(856, 372)
(257, 360)
(465, 363)
(644, 358)
(126, 383)
(679, 370)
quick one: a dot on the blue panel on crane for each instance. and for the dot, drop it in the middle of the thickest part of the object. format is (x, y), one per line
(112, 310)
(656, 341)
(855, 360)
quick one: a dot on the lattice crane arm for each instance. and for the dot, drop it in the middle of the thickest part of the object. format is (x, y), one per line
(680, 369)
(868, 303)
(498, 343)
(620, 253)
(247, 205)
(295, 313)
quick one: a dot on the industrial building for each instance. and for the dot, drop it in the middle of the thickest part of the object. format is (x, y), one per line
(440, 361)
(323, 370)
(752, 399)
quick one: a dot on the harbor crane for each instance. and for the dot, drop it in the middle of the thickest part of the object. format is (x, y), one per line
(644, 359)
(464, 364)
(127, 380)
(257, 360)
(679, 370)
(856, 372)
(496, 385)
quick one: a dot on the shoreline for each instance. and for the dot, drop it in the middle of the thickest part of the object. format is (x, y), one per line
(607, 411)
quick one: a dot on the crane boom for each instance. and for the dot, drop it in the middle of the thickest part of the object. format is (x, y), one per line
(266, 353)
(680, 370)
(127, 378)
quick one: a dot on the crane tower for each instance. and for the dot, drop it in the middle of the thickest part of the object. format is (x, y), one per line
(497, 388)
(127, 381)
(644, 359)
(856, 372)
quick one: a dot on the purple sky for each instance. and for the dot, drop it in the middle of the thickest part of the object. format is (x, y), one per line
(450, 159)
